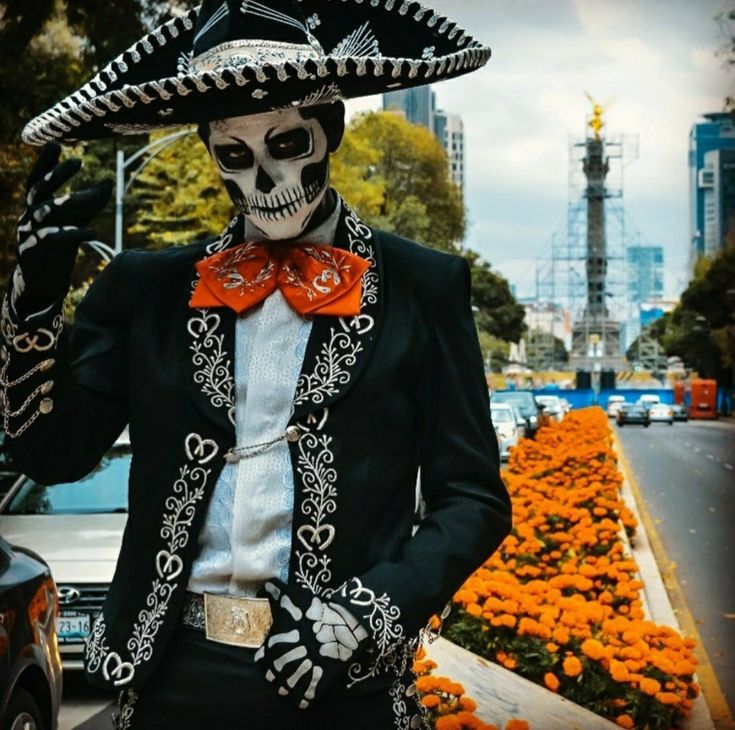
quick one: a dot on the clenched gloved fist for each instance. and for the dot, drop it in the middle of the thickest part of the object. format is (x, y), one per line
(50, 231)
(310, 643)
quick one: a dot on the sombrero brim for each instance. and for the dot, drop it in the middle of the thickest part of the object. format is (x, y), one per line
(376, 46)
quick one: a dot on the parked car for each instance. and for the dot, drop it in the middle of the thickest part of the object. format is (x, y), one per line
(660, 413)
(681, 412)
(552, 406)
(613, 405)
(520, 420)
(8, 472)
(30, 664)
(566, 405)
(506, 429)
(649, 400)
(77, 528)
(526, 404)
(633, 413)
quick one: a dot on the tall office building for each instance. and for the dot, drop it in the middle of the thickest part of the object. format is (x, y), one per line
(645, 274)
(715, 133)
(717, 182)
(418, 106)
(449, 130)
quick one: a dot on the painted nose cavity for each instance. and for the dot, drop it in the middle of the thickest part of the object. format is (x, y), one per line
(263, 181)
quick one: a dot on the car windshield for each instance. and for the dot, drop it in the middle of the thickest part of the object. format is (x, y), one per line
(523, 399)
(105, 490)
(548, 400)
(502, 415)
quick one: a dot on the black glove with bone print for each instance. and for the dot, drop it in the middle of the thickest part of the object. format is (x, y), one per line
(310, 644)
(50, 231)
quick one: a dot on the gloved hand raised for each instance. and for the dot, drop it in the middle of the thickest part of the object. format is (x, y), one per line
(310, 644)
(50, 231)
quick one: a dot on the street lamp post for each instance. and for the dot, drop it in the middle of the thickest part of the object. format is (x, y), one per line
(148, 152)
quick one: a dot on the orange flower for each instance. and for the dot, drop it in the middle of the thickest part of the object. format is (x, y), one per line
(593, 649)
(551, 681)
(668, 698)
(625, 721)
(515, 724)
(467, 703)
(572, 666)
(430, 701)
(650, 686)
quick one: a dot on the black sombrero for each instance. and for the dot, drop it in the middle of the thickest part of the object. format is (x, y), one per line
(233, 57)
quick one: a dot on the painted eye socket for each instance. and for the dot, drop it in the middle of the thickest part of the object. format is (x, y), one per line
(290, 145)
(232, 157)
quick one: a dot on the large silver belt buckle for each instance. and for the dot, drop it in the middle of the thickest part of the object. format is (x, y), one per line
(237, 620)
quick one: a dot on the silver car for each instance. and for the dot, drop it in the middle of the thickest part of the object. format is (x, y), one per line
(77, 529)
(506, 429)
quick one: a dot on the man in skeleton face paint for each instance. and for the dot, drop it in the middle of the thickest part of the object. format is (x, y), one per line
(283, 382)
(275, 165)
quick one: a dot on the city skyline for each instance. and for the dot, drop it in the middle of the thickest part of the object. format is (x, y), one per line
(655, 61)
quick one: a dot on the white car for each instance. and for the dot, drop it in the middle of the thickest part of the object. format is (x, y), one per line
(553, 406)
(506, 429)
(649, 399)
(77, 529)
(661, 413)
(614, 403)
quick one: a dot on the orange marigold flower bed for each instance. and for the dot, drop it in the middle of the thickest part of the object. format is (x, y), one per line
(560, 601)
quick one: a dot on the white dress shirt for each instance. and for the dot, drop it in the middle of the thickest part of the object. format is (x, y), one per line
(246, 537)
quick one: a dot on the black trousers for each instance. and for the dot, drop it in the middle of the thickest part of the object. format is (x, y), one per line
(201, 684)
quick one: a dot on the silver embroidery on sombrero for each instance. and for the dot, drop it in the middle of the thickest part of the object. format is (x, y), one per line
(62, 118)
(180, 510)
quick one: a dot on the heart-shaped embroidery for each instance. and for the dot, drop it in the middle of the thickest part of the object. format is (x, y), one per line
(361, 323)
(315, 536)
(116, 669)
(168, 566)
(203, 450)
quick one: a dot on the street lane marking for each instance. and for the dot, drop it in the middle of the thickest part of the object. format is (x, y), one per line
(713, 694)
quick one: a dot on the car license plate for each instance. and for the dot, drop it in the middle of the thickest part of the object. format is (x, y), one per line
(73, 626)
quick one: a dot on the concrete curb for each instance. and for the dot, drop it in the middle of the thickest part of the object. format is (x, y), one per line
(502, 695)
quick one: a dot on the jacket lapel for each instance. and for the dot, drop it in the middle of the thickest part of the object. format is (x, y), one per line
(210, 334)
(339, 347)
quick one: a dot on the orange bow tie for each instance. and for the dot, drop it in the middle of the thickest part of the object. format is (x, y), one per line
(313, 279)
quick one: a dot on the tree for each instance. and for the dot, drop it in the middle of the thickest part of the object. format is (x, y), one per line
(726, 51)
(499, 314)
(701, 330)
(396, 176)
(179, 196)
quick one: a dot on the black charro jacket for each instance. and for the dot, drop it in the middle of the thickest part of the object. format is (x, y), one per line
(398, 387)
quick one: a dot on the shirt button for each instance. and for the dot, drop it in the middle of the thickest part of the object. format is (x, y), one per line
(46, 406)
(293, 434)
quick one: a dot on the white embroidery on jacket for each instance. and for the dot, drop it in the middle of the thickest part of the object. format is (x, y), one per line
(180, 509)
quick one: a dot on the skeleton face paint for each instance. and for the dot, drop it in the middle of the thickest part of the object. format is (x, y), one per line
(275, 167)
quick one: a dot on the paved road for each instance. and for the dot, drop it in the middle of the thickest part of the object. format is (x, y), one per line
(687, 475)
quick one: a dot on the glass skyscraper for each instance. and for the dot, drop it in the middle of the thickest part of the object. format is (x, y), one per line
(716, 132)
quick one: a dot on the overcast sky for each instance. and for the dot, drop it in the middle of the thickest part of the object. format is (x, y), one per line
(653, 58)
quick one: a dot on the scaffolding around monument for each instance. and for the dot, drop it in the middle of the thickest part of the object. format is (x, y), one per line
(568, 278)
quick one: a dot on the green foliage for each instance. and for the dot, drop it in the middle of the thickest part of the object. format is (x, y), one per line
(180, 196)
(701, 330)
(396, 176)
(499, 314)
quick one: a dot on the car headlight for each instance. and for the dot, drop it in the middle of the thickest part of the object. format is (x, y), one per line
(533, 419)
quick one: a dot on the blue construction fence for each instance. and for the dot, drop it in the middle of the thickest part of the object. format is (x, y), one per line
(586, 396)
